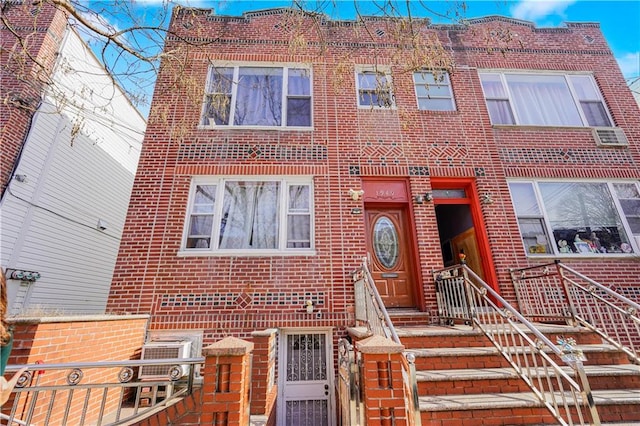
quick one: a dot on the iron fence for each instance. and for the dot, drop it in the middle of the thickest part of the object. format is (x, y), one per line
(95, 393)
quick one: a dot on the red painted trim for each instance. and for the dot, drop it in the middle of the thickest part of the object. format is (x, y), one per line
(473, 200)
(407, 206)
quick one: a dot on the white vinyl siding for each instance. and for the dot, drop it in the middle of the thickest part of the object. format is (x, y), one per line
(49, 222)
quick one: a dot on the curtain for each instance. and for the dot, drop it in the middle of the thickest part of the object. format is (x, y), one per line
(259, 97)
(497, 100)
(299, 218)
(249, 216)
(201, 222)
(543, 100)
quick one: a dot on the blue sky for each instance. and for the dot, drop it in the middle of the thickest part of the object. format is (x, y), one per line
(619, 20)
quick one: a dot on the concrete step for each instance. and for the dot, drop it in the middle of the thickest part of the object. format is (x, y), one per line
(462, 335)
(521, 408)
(468, 381)
(489, 357)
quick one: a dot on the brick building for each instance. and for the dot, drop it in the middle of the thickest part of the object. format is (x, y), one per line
(261, 197)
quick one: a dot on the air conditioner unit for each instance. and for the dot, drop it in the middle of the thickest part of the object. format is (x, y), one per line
(164, 350)
(609, 136)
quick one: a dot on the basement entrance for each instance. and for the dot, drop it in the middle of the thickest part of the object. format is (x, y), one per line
(461, 227)
(306, 391)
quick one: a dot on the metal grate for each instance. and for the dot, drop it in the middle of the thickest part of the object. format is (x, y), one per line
(610, 136)
(162, 350)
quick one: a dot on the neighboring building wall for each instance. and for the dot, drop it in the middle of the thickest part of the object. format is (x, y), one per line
(75, 340)
(348, 147)
(41, 29)
(65, 218)
(635, 89)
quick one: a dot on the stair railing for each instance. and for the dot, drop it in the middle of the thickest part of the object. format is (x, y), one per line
(370, 311)
(556, 292)
(464, 296)
(99, 393)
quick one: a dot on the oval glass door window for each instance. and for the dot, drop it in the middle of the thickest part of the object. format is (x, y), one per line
(385, 242)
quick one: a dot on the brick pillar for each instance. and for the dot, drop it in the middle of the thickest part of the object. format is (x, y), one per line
(384, 402)
(263, 386)
(227, 381)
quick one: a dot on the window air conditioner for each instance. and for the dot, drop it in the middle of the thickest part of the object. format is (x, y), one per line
(164, 350)
(610, 136)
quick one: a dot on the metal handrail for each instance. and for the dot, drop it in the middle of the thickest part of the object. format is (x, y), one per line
(98, 393)
(381, 320)
(379, 323)
(556, 291)
(463, 295)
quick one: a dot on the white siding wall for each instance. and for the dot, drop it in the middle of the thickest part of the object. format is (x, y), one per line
(49, 223)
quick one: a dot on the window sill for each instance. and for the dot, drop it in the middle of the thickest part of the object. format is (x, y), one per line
(260, 128)
(246, 253)
(438, 111)
(541, 127)
(377, 108)
(584, 256)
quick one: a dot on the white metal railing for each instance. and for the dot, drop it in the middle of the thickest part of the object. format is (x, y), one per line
(556, 292)
(94, 393)
(464, 296)
(370, 311)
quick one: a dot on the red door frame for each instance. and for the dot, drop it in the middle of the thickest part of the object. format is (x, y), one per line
(399, 200)
(473, 200)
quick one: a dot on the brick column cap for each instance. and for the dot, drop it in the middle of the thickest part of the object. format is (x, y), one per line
(265, 332)
(379, 345)
(228, 346)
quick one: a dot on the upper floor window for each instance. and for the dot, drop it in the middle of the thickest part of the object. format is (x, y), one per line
(577, 218)
(544, 99)
(433, 91)
(257, 96)
(374, 89)
(249, 216)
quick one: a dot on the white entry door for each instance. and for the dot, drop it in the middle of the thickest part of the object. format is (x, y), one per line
(306, 379)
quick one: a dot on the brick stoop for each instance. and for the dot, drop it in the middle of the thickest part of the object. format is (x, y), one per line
(463, 379)
(183, 412)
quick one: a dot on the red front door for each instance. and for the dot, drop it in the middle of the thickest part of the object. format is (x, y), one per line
(391, 258)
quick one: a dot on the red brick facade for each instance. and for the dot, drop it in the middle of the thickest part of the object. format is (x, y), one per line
(353, 148)
(25, 66)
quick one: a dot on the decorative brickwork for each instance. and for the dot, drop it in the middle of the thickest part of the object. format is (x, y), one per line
(346, 148)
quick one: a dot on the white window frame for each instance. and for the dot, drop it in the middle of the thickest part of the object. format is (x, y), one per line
(386, 72)
(283, 213)
(446, 82)
(574, 97)
(634, 239)
(234, 91)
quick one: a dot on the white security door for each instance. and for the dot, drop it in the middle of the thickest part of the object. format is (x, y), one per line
(306, 379)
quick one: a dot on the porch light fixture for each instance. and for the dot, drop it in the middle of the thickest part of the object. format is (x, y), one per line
(18, 274)
(356, 194)
(486, 198)
(422, 198)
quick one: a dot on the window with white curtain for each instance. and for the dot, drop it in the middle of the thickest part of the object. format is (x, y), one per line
(257, 96)
(544, 99)
(247, 215)
(577, 218)
(433, 91)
